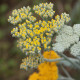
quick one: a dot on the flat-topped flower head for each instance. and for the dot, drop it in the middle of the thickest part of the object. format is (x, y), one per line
(18, 16)
(75, 49)
(45, 10)
(65, 39)
(31, 62)
(46, 72)
(51, 55)
(76, 29)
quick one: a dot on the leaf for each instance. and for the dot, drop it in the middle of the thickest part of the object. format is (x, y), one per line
(68, 64)
(64, 78)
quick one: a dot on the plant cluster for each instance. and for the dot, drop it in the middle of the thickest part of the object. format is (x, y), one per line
(37, 39)
(35, 35)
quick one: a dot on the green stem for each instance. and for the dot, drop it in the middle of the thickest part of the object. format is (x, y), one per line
(65, 57)
(53, 60)
(65, 71)
(66, 78)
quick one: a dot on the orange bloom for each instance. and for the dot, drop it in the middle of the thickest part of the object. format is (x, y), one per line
(47, 70)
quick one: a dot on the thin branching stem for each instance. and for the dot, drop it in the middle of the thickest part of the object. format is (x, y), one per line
(66, 78)
(65, 71)
(65, 57)
(53, 60)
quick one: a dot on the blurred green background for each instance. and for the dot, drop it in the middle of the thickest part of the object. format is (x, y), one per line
(10, 55)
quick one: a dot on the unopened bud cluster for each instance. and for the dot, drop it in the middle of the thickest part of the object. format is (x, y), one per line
(31, 62)
(45, 10)
(20, 15)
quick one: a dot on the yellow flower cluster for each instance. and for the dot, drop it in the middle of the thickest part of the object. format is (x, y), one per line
(45, 10)
(51, 55)
(39, 31)
(31, 62)
(18, 16)
(35, 36)
(47, 70)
